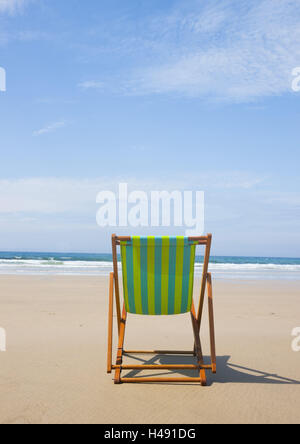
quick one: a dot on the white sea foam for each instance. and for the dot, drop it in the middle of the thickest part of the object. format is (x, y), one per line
(94, 268)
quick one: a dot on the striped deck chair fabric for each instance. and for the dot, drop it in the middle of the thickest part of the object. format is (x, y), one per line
(158, 275)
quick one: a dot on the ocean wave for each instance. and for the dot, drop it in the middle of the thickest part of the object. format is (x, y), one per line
(252, 267)
(53, 263)
(54, 266)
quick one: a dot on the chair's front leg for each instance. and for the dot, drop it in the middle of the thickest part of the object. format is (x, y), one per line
(121, 347)
(211, 324)
(110, 323)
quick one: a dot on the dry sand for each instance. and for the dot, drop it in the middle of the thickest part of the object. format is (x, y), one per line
(54, 369)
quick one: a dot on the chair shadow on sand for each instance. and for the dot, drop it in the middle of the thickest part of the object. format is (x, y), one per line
(226, 371)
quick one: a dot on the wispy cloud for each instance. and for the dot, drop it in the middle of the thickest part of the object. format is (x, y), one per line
(233, 51)
(289, 199)
(25, 36)
(54, 101)
(32, 35)
(60, 213)
(50, 128)
(12, 6)
(91, 84)
(57, 195)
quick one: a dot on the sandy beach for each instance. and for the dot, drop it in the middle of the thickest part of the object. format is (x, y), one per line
(54, 369)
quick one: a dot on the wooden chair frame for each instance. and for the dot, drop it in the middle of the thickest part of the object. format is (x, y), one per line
(196, 324)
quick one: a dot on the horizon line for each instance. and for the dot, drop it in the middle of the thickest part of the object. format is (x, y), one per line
(109, 253)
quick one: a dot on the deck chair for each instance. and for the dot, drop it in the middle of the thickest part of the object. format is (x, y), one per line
(158, 279)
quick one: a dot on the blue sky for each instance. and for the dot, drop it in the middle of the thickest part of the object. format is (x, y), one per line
(160, 94)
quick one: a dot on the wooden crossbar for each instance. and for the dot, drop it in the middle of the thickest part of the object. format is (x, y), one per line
(158, 380)
(201, 240)
(162, 367)
(157, 352)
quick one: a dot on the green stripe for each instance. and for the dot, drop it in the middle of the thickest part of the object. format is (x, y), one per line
(144, 276)
(178, 277)
(136, 247)
(185, 278)
(151, 274)
(124, 269)
(158, 262)
(165, 275)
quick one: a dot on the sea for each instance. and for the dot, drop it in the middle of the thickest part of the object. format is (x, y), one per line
(85, 264)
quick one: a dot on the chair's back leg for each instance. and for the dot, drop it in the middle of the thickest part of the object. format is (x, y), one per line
(211, 324)
(198, 348)
(204, 280)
